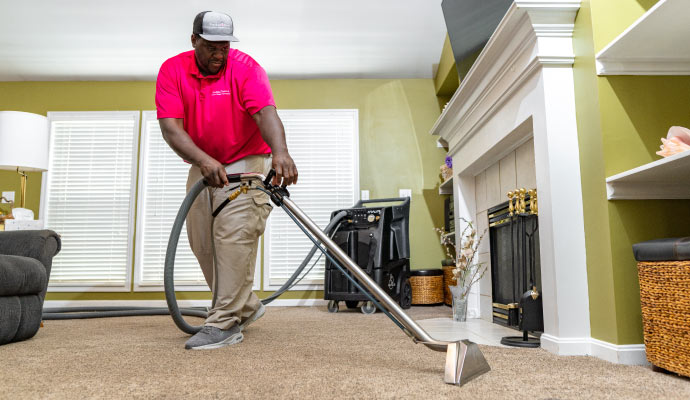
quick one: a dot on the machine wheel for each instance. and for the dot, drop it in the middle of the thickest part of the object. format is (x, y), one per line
(333, 306)
(352, 304)
(368, 308)
(406, 295)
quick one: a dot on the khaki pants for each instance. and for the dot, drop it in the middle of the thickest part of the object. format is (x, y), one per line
(230, 242)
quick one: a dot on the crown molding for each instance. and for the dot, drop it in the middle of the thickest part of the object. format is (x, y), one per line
(532, 35)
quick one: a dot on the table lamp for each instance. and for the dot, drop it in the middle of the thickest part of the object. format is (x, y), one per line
(23, 144)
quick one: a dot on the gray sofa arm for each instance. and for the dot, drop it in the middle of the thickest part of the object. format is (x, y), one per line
(41, 245)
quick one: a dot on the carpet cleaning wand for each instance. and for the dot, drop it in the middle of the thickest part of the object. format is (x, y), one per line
(464, 360)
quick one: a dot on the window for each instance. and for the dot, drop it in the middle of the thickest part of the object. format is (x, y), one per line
(162, 187)
(324, 145)
(88, 198)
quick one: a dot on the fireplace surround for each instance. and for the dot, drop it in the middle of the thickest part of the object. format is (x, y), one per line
(520, 90)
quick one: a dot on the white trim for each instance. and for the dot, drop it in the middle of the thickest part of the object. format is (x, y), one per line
(627, 354)
(181, 303)
(648, 66)
(662, 27)
(665, 178)
(90, 287)
(86, 288)
(138, 287)
(123, 303)
(298, 303)
(565, 346)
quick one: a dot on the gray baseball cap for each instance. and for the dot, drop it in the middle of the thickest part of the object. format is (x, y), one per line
(214, 27)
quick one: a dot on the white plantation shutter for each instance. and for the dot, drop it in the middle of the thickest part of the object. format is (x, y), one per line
(89, 197)
(324, 145)
(162, 187)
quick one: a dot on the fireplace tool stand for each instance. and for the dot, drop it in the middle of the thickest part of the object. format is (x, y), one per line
(531, 318)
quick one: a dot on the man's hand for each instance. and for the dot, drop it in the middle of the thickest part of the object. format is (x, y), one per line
(214, 173)
(286, 171)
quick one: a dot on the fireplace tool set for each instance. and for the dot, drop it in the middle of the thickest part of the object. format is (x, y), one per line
(523, 219)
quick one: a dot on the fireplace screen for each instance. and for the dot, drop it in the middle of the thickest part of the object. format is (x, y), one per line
(515, 267)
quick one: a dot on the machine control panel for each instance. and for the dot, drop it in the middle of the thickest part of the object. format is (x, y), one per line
(363, 216)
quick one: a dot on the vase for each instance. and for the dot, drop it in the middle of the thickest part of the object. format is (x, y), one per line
(459, 308)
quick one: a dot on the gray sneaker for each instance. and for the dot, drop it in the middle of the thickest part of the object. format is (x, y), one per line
(210, 337)
(252, 318)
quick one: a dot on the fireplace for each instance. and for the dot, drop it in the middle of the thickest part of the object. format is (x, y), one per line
(521, 89)
(515, 262)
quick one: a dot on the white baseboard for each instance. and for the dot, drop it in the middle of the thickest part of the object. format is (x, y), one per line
(566, 346)
(628, 354)
(123, 303)
(162, 303)
(298, 302)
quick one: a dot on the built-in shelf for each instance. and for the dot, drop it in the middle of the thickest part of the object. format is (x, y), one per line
(668, 178)
(446, 187)
(656, 44)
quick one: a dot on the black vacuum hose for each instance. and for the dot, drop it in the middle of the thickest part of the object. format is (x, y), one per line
(107, 312)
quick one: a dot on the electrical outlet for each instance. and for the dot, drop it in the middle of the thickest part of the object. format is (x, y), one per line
(364, 195)
(9, 196)
(405, 193)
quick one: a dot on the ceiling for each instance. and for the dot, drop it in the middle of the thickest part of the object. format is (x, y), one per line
(291, 39)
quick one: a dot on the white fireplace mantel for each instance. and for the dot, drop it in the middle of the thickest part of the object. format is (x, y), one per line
(521, 88)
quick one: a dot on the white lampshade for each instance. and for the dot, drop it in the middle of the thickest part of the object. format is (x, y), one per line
(23, 141)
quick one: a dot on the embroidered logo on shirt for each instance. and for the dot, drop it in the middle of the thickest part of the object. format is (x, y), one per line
(222, 92)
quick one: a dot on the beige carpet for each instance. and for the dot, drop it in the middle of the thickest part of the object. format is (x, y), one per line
(296, 353)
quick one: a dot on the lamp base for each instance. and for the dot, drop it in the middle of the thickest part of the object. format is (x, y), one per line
(22, 187)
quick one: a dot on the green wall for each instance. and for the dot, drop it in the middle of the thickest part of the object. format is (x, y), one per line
(447, 79)
(620, 127)
(602, 306)
(396, 150)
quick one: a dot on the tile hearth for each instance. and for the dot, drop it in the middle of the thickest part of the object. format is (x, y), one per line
(474, 329)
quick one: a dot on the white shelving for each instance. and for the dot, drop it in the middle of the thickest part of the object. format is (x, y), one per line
(446, 187)
(668, 178)
(656, 44)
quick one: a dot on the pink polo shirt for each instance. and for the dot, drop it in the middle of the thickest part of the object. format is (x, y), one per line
(217, 109)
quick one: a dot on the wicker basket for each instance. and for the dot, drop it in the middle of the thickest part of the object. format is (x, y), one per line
(448, 280)
(665, 299)
(427, 286)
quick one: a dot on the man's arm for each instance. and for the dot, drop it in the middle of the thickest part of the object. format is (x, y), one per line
(274, 135)
(178, 139)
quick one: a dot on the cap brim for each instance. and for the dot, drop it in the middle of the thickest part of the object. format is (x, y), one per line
(220, 38)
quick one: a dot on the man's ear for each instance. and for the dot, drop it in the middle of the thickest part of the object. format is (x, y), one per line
(194, 40)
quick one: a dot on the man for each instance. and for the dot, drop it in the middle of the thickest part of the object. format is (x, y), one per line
(216, 111)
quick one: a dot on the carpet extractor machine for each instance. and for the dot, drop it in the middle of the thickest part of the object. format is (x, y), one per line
(464, 360)
(377, 240)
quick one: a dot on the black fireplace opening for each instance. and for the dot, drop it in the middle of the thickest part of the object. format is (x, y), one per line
(515, 266)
